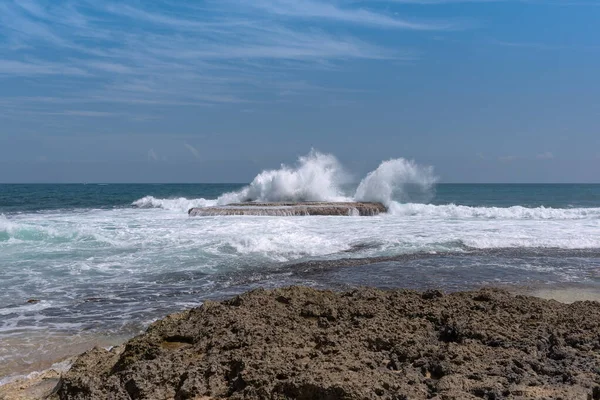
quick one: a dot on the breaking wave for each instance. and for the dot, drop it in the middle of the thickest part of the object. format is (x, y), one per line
(179, 204)
(397, 180)
(316, 177)
(320, 177)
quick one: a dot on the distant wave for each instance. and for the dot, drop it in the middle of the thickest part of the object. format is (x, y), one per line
(179, 204)
(452, 211)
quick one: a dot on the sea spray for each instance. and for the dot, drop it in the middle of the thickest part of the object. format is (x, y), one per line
(320, 177)
(316, 177)
(397, 180)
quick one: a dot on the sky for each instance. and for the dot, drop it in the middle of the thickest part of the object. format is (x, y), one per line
(217, 90)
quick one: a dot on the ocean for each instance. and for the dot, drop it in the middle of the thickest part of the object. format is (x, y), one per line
(96, 263)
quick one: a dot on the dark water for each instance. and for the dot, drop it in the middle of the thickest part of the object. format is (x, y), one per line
(30, 198)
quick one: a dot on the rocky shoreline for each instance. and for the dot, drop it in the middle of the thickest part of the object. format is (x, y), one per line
(302, 343)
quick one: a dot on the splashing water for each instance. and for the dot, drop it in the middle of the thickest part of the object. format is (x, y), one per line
(397, 179)
(179, 204)
(320, 177)
(317, 177)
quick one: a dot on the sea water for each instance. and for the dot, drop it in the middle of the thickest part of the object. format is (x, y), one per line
(100, 262)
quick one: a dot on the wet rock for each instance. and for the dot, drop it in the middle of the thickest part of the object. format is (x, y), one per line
(432, 294)
(301, 343)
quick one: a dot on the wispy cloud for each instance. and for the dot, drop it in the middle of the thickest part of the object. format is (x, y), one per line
(152, 156)
(508, 158)
(333, 11)
(543, 46)
(545, 156)
(539, 2)
(177, 53)
(192, 150)
(36, 67)
(86, 113)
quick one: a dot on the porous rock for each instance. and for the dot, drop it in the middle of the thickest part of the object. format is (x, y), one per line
(302, 343)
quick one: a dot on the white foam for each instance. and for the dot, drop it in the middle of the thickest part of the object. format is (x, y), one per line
(180, 204)
(6, 225)
(452, 211)
(20, 229)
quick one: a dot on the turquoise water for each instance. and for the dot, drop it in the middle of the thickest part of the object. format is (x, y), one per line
(108, 259)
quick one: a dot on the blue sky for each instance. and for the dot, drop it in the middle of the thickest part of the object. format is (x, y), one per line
(216, 90)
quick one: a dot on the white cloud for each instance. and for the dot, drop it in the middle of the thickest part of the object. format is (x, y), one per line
(508, 158)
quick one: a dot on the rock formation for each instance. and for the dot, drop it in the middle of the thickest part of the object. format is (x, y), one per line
(301, 343)
(292, 209)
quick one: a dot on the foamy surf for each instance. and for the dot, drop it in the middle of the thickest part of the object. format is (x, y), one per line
(456, 212)
(179, 204)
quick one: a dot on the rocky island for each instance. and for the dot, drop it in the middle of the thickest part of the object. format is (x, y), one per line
(292, 209)
(302, 343)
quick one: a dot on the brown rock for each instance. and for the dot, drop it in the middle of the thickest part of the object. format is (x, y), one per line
(301, 343)
(293, 209)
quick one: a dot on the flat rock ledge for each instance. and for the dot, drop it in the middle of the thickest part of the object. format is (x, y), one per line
(301, 343)
(292, 209)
